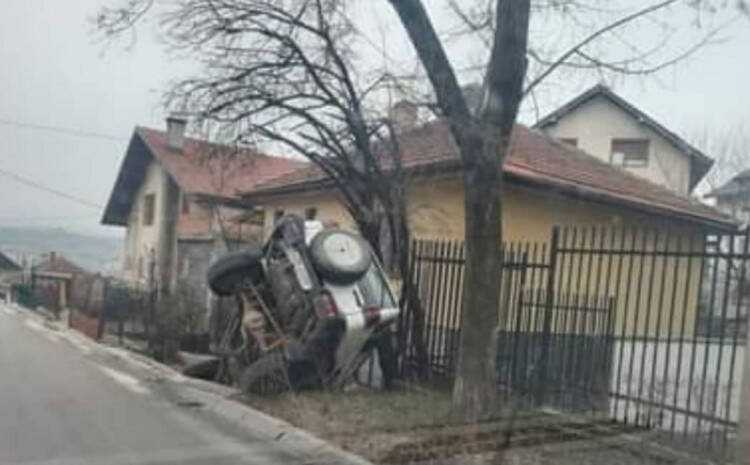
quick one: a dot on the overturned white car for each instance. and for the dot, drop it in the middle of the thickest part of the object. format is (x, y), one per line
(313, 303)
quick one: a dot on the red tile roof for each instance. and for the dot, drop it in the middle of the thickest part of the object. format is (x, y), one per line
(56, 263)
(535, 158)
(202, 167)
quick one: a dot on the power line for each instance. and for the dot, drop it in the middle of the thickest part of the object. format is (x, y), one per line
(16, 218)
(61, 130)
(41, 187)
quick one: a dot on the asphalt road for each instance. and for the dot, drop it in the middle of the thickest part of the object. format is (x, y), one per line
(62, 404)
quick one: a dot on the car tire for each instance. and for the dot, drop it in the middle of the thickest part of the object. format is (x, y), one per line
(228, 272)
(340, 256)
(267, 375)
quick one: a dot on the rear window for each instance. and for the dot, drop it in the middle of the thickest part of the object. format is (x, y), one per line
(375, 290)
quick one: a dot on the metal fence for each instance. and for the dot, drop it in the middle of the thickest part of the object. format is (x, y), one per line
(645, 325)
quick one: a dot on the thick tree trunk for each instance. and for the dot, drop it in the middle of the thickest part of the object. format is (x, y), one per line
(483, 141)
(475, 387)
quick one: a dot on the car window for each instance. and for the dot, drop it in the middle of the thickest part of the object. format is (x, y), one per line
(374, 289)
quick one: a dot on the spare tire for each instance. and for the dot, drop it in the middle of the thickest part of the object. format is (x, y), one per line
(228, 272)
(340, 256)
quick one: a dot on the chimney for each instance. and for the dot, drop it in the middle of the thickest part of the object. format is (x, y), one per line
(52, 256)
(403, 114)
(176, 131)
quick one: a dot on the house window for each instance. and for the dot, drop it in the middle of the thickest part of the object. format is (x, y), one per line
(185, 206)
(629, 152)
(311, 213)
(149, 202)
(570, 141)
(277, 215)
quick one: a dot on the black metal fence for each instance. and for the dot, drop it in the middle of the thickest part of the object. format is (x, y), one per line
(645, 325)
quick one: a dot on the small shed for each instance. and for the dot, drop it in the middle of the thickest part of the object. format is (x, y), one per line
(53, 278)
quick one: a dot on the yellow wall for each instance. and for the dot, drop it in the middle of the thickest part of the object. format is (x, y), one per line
(436, 211)
(330, 209)
(598, 121)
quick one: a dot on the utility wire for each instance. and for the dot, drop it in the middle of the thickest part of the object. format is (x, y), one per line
(61, 130)
(16, 218)
(41, 187)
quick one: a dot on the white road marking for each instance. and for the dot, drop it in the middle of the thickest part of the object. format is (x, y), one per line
(126, 380)
(51, 336)
(77, 343)
(35, 325)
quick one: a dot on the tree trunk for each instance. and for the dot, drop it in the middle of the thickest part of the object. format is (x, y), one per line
(483, 141)
(475, 387)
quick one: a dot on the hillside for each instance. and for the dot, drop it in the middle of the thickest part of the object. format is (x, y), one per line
(94, 253)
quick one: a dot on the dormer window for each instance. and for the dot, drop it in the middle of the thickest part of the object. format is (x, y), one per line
(629, 153)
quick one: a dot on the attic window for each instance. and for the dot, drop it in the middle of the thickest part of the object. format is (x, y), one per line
(149, 202)
(629, 153)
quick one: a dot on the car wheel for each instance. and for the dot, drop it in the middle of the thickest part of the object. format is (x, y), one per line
(340, 256)
(228, 272)
(267, 375)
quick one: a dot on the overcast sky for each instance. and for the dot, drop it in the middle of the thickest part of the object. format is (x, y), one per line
(54, 74)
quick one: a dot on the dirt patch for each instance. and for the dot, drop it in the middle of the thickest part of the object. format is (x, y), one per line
(415, 427)
(364, 422)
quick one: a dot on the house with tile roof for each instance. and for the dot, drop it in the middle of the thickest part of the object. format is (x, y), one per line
(733, 197)
(52, 278)
(177, 199)
(11, 273)
(546, 182)
(605, 125)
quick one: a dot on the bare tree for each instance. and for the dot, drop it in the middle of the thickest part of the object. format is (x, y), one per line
(283, 72)
(730, 149)
(483, 138)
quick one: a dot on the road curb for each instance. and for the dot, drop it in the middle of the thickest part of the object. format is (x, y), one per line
(218, 400)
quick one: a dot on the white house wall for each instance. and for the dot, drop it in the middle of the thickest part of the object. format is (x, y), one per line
(141, 239)
(598, 121)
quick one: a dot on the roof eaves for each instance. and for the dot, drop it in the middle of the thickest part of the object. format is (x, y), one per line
(111, 216)
(591, 192)
(9, 264)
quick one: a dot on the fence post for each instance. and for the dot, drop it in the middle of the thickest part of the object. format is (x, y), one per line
(743, 433)
(541, 390)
